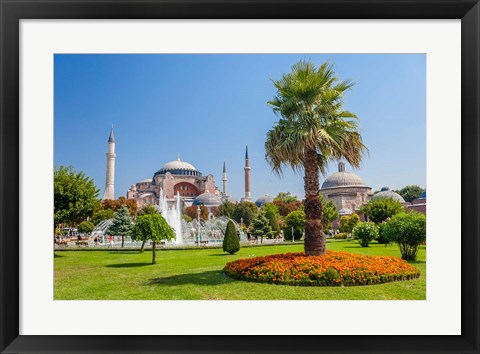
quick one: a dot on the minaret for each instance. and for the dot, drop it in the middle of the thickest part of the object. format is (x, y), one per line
(247, 177)
(109, 182)
(224, 179)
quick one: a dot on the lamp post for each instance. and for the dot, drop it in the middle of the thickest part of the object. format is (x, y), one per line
(198, 225)
(241, 228)
(293, 235)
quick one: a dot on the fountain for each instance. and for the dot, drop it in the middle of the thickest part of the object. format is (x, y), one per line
(211, 230)
(101, 229)
(173, 215)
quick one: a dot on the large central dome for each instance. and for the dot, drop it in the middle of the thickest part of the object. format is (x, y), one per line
(178, 167)
(178, 164)
(342, 178)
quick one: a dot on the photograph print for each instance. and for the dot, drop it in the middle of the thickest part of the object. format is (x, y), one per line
(240, 177)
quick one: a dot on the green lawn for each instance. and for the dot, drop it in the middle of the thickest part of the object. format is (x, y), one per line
(197, 275)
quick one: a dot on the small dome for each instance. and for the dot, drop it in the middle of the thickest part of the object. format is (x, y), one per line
(264, 199)
(385, 192)
(145, 180)
(144, 195)
(345, 211)
(342, 178)
(208, 200)
(229, 198)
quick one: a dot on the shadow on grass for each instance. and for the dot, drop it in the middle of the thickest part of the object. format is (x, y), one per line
(128, 265)
(57, 256)
(220, 254)
(125, 252)
(212, 277)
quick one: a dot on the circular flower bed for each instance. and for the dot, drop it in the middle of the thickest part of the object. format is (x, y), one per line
(330, 269)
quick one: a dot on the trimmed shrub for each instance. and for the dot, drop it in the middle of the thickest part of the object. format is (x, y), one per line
(365, 232)
(341, 236)
(408, 231)
(231, 243)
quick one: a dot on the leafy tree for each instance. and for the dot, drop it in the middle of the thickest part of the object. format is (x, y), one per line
(313, 129)
(191, 211)
(148, 209)
(187, 218)
(215, 211)
(261, 227)
(231, 243)
(102, 215)
(131, 204)
(152, 227)
(227, 209)
(246, 211)
(408, 231)
(379, 210)
(270, 207)
(285, 197)
(74, 194)
(271, 213)
(86, 227)
(409, 193)
(330, 213)
(365, 232)
(295, 220)
(285, 208)
(121, 224)
(287, 234)
(115, 205)
(348, 222)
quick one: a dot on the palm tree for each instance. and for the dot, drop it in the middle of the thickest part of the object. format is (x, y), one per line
(313, 129)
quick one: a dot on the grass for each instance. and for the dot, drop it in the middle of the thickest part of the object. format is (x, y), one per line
(198, 275)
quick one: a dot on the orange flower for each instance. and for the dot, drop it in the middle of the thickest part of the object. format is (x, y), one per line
(330, 269)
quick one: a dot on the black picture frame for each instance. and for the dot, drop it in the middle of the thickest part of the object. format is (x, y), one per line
(11, 11)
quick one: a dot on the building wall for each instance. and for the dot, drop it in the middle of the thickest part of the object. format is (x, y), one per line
(347, 197)
(171, 184)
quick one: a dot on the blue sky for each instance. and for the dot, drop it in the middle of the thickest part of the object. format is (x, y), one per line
(208, 107)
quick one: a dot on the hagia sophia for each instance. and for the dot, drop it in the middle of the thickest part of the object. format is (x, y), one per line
(345, 189)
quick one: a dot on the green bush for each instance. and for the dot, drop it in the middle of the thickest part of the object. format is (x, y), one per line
(347, 223)
(231, 243)
(365, 232)
(408, 231)
(379, 210)
(85, 227)
(341, 236)
(381, 237)
(287, 234)
(295, 219)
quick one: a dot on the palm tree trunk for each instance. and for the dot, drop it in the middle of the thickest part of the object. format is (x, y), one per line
(154, 254)
(315, 243)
